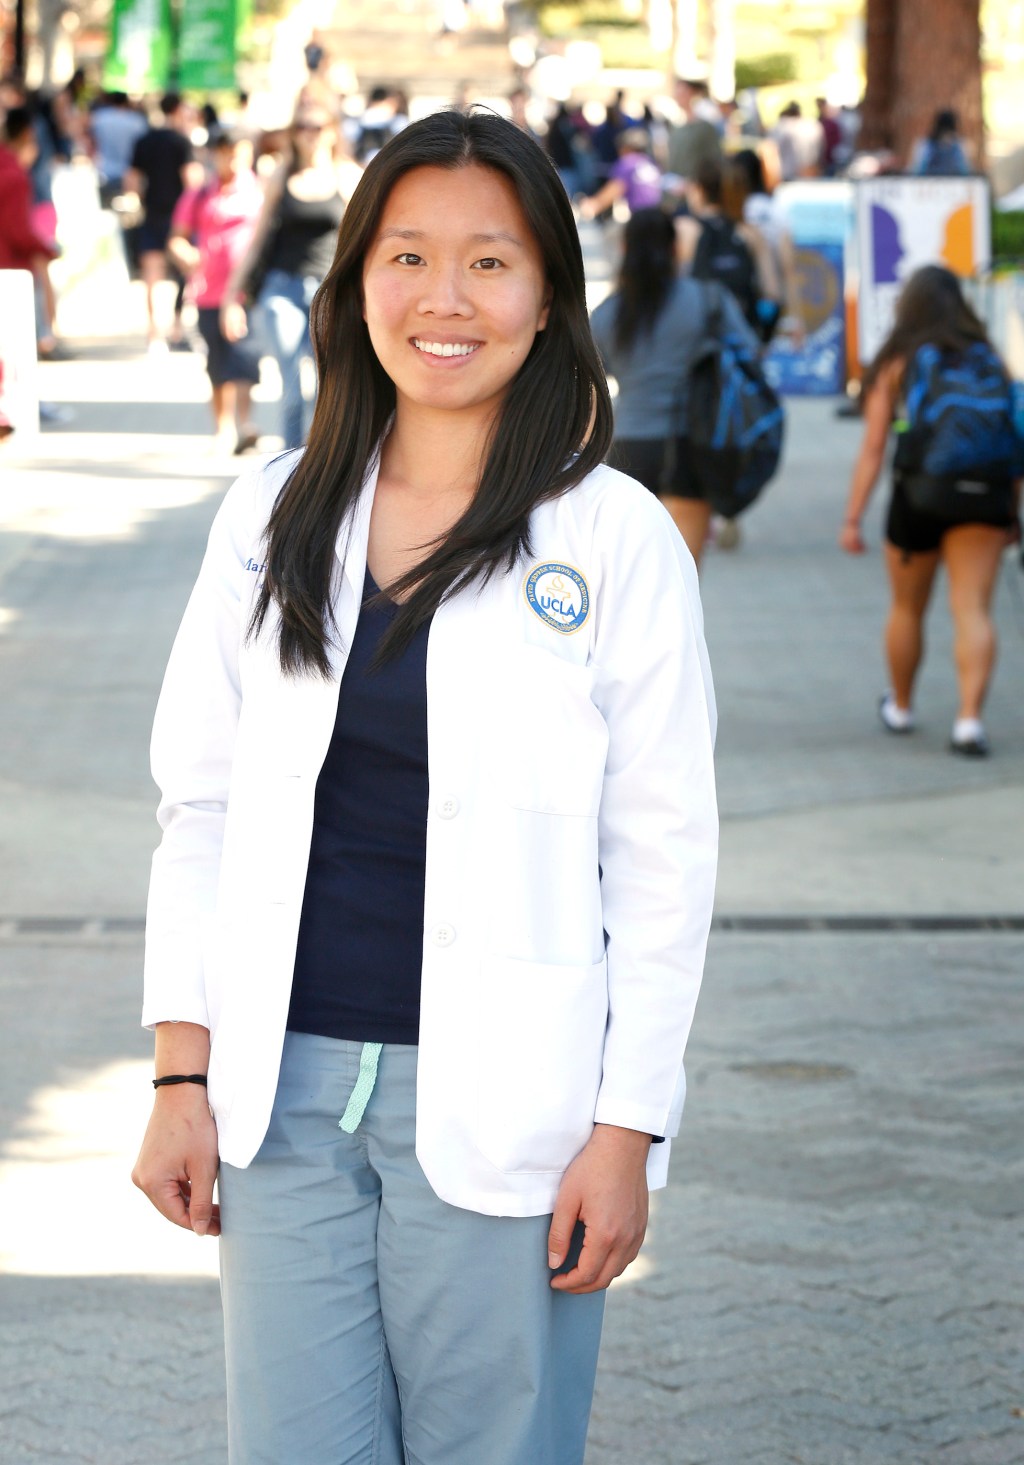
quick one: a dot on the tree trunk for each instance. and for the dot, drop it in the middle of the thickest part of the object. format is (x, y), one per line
(880, 38)
(922, 55)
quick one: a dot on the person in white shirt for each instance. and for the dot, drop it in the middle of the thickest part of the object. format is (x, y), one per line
(428, 919)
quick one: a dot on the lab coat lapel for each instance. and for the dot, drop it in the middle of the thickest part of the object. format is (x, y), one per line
(350, 566)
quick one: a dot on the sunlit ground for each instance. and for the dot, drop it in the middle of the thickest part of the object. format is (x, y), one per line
(67, 1204)
(69, 1208)
(67, 505)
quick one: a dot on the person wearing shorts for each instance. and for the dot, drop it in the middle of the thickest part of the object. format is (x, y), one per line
(160, 173)
(913, 533)
(210, 232)
(648, 333)
(931, 310)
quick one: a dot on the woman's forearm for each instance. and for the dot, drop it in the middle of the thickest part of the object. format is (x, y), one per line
(879, 405)
(863, 479)
(181, 1047)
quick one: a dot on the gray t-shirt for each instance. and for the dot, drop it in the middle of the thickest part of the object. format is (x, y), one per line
(653, 376)
(691, 144)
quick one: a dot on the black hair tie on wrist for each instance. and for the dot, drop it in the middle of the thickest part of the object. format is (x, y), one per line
(181, 1078)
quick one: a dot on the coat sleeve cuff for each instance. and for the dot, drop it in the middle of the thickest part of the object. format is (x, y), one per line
(158, 1010)
(637, 1116)
(657, 1165)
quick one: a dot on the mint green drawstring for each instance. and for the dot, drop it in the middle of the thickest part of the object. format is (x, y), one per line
(360, 1095)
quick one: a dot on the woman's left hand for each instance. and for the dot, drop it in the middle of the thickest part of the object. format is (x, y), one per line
(605, 1187)
(851, 539)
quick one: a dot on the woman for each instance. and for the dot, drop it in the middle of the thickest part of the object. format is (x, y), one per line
(434, 938)
(210, 231)
(290, 253)
(931, 311)
(941, 154)
(746, 200)
(648, 332)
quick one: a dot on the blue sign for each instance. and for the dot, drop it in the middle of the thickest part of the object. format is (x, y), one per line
(815, 366)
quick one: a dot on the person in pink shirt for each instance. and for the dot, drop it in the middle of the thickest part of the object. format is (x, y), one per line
(210, 232)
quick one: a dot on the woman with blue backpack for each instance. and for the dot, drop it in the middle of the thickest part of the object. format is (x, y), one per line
(651, 331)
(938, 380)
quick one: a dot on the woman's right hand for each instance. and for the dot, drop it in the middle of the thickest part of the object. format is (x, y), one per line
(233, 321)
(177, 1164)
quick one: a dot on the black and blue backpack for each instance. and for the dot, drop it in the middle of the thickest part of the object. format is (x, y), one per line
(735, 419)
(958, 448)
(724, 257)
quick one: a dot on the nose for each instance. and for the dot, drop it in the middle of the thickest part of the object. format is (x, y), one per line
(444, 292)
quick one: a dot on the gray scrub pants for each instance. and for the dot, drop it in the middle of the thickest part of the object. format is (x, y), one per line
(366, 1321)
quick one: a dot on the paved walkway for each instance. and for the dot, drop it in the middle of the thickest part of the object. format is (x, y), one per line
(834, 1273)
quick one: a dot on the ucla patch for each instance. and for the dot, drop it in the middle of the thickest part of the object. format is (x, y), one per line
(559, 595)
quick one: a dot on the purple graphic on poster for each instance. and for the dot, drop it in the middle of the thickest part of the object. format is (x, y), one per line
(887, 246)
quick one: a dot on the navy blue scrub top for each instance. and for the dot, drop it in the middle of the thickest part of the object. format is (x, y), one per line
(360, 946)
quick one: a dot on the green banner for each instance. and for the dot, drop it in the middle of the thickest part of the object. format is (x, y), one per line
(206, 45)
(139, 58)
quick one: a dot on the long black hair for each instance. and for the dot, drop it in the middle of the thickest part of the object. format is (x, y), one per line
(553, 428)
(646, 275)
(931, 311)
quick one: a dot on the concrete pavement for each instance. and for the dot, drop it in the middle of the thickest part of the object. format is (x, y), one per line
(833, 1274)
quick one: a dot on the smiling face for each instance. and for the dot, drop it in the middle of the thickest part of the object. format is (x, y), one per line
(454, 288)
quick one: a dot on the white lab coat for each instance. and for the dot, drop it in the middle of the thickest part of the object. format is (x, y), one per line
(571, 838)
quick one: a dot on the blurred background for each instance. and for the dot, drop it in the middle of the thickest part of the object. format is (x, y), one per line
(833, 1274)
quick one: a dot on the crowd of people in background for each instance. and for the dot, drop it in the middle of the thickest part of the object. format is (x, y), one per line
(243, 220)
(688, 153)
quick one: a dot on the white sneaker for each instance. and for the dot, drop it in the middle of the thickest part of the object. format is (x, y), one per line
(968, 738)
(895, 719)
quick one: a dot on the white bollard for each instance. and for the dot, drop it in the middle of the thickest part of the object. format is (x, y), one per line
(19, 388)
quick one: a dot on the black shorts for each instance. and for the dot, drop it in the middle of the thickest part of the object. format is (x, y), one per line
(658, 463)
(907, 529)
(154, 231)
(227, 361)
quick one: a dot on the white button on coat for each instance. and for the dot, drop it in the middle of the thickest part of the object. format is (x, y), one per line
(448, 808)
(442, 935)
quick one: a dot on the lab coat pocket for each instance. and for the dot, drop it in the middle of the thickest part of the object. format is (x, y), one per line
(540, 1062)
(555, 740)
